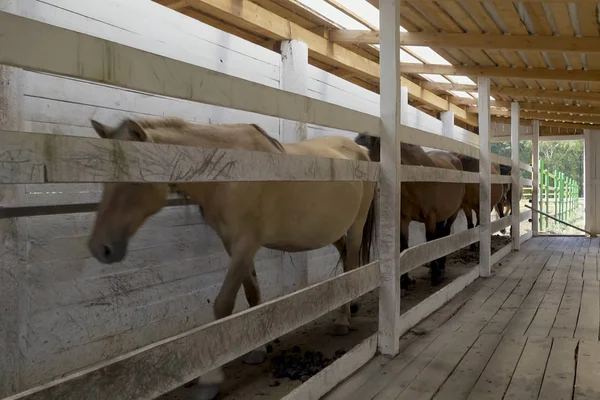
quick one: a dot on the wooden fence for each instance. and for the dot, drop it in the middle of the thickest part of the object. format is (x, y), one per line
(558, 191)
(160, 367)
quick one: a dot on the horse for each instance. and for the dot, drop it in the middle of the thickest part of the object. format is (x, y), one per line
(505, 205)
(471, 200)
(435, 204)
(287, 216)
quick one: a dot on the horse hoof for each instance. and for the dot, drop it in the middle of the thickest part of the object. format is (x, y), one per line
(207, 391)
(437, 280)
(255, 357)
(340, 330)
(354, 307)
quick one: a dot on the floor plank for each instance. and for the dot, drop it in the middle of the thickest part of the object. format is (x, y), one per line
(495, 378)
(566, 318)
(546, 313)
(587, 381)
(560, 371)
(459, 384)
(590, 267)
(527, 378)
(588, 322)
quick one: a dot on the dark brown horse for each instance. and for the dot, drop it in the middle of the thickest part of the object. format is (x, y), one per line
(471, 201)
(505, 205)
(435, 204)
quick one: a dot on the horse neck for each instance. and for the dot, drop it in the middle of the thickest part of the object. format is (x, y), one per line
(415, 155)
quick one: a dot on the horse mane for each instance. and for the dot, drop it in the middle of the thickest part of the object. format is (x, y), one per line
(271, 140)
(179, 123)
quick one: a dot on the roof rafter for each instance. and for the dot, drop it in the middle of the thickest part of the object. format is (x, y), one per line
(475, 41)
(503, 72)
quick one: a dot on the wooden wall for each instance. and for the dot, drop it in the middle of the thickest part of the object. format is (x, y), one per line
(73, 311)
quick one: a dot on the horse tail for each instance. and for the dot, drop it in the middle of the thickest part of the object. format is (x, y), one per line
(364, 255)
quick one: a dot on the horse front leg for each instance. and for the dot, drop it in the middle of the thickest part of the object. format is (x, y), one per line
(431, 230)
(239, 271)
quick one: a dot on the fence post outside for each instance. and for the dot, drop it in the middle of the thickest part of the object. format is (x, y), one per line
(389, 200)
(294, 78)
(515, 229)
(485, 166)
(535, 177)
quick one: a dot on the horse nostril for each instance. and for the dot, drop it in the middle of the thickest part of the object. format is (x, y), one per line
(107, 252)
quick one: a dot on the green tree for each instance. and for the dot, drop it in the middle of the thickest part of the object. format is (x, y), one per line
(565, 156)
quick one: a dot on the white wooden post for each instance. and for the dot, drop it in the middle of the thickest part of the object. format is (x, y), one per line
(389, 200)
(13, 298)
(485, 235)
(447, 118)
(515, 175)
(535, 178)
(294, 78)
(590, 145)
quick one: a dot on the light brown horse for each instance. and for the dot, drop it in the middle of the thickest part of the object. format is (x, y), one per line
(286, 216)
(471, 200)
(435, 204)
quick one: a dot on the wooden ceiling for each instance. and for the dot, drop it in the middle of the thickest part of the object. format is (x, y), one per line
(543, 54)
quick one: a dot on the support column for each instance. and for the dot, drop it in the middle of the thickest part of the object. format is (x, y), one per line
(447, 118)
(389, 200)
(294, 78)
(12, 241)
(515, 230)
(590, 145)
(485, 235)
(535, 178)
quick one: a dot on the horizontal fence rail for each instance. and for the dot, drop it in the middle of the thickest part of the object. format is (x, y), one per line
(158, 368)
(63, 52)
(42, 158)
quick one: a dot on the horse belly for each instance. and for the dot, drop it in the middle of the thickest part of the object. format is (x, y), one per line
(310, 216)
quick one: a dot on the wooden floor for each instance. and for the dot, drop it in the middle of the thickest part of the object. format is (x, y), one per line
(528, 332)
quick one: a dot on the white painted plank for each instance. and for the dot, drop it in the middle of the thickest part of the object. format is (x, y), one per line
(535, 149)
(426, 307)
(423, 138)
(58, 51)
(515, 173)
(53, 158)
(389, 199)
(423, 253)
(328, 378)
(419, 173)
(201, 350)
(485, 210)
(500, 224)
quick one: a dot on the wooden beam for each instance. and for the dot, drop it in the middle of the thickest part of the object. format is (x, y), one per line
(436, 102)
(557, 108)
(514, 92)
(560, 44)
(503, 72)
(515, 174)
(354, 36)
(248, 15)
(551, 116)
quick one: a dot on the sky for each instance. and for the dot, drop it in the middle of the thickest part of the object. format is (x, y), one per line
(408, 54)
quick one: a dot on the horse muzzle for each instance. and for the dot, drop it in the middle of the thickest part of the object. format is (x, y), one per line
(108, 252)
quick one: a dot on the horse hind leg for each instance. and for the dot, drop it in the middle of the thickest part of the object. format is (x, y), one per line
(252, 292)
(239, 270)
(340, 245)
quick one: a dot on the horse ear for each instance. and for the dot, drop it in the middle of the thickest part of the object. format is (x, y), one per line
(136, 132)
(105, 132)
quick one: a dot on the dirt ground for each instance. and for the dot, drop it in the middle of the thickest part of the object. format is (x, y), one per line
(305, 351)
